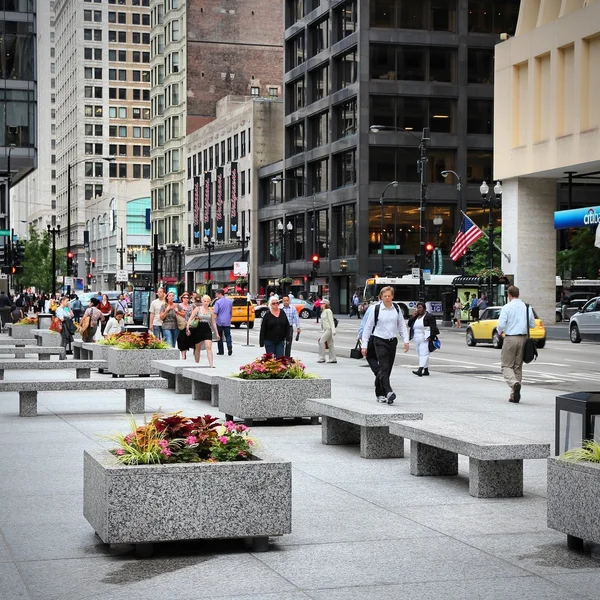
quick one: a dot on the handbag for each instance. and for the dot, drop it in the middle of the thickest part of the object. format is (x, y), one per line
(434, 344)
(84, 325)
(335, 322)
(530, 352)
(181, 324)
(356, 352)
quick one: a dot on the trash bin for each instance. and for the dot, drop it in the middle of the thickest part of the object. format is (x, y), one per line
(44, 320)
(576, 415)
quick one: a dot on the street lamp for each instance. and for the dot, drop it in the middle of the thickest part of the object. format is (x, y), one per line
(392, 184)
(53, 227)
(209, 244)
(491, 201)
(460, 203)
(8, 186)
(69, 253)
(131, 258)
(283, 230)
(422, 169)
(162, 253)
(179, 249)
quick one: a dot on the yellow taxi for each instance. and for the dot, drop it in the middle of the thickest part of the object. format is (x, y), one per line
(485, 331)
(242, 311)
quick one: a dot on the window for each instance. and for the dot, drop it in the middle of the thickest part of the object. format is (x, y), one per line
(137, 132)
(228, 150)
(319, 80)
(319, 175)
(347, 67)
(345, 168)
(296, 11)
(480, 116)
(413, 113)
(137, 171)
(112, 75)
(273, 92)
(319, 37)
(122, 130)
(235, 148)
(122, 37)
(345, 226)
(123, 170)
(295, 187)
(436, 15)
(122, 93)
(112, 16)
(112, 35)
(397, 163)
(122, 75)
(136, 37)
(122, 18)
(319, 130)
(122, 56)
(135, 19)
(346, 119)
(347, 19)
(296, 50)
(296, 143)
(480, 65)
(480, 163)
(255, 91)
(122, 149)
(494, 16)
(296, 95)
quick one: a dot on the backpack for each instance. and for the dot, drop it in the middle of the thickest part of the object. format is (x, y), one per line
(377, 313)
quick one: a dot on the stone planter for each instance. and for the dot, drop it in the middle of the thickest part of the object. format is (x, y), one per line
(21, 332)
(155, 503)
(270, 398)
(136, 362)
(574, 500)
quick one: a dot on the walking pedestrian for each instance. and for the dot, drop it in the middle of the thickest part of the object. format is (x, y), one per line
(67, 332)
(76, 308)
(326, 340)
(122, 304)
(371, 356)
(223, 309)
(155, 323)
(317, 307)
(168, 316)
(515, 318)
(274, 329)
(201, 325)
(354, 306)
(423, 329)
(184, 338)
(474, 308)
(385, 323)
(89, 321)
(292, 316)
(457, 313)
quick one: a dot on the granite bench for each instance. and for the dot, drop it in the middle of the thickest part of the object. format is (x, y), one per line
(45, 337)
(367, 424)
(205, 383)
(172, 371)
(82, 367)
(135, 391)
(43, 353)
(91, 350)
(495, 459)
(17, 343)
(78, 352)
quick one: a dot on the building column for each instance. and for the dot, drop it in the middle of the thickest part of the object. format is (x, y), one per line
(528, 236)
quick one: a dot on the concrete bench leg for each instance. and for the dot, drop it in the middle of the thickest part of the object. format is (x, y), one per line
(83, 373)
(377, 442)
(135, 401)
(19, 353)
(429, 460)
(495, 478)
(214, 395)
(201, 391)
(1, 374)
(44, 356)
(28, 404)
(183, 385)
(76, 353)
(335, 432)
(170, 378)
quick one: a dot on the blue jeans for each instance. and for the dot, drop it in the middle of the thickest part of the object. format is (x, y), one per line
(224, 332)
(275, 348)
(157, 331)
(170, 336)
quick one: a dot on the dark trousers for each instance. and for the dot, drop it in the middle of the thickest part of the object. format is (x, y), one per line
(224, 332)
(276, 348)
(385, 351)
(374, 364)
(289, 338)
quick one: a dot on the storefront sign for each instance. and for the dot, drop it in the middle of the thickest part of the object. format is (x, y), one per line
(196, 193)
(220, 217)
(207, 204)
(577, 217)
(233, 217)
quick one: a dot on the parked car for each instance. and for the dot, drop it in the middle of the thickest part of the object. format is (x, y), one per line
(485, 331)
(585, 324)
(565, 312)
(306, 309)
(242, 311)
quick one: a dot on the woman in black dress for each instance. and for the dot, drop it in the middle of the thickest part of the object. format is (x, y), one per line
(203, 331)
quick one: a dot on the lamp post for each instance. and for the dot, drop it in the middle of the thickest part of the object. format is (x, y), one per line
(381, 204)
(491, 201)
(53, 227)
(423, 170)
(209, 244)
(69, 253)
(8, 186)
(460, 202)
(162, 252)
(283, 232)
(179, 249)
(121, 252)
(131, 258)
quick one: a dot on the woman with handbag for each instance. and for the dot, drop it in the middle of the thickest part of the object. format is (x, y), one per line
(168, 316)
(326, 339)
(200, 327)
(457, 313)
(89, 321)
(184, 338)
(424, 330)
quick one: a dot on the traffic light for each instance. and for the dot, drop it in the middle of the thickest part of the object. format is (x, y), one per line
(316, 262)
(19, 252)
(428, 251)
(93, 262)
(2, 255)
(388, 270)
(12, 270)
(89, 276)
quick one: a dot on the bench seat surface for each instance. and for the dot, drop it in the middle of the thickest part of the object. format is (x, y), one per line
(202, 374)
(21, 363)
(470, 440)
(83, 384)
(174, 367)
(32, 349)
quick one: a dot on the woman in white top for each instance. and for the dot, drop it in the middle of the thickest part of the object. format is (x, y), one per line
(328, 327)
(115, 324)
(423, 329)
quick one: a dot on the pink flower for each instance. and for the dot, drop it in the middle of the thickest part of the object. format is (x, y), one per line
(166, 452)
(223, 439)
(250, 443)
(119, 452)
(191, 439)
(242, 428)
(163, 443)
(230, 426)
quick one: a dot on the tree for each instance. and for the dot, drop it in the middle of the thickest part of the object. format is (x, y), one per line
(37, 266)
(582, 258)
(479, 254)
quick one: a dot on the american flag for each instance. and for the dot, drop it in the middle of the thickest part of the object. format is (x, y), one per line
(468, 234)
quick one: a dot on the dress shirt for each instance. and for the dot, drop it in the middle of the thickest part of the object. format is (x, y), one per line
(363, 321)
(292, 314)
(513, 318)
(389, 324)
(223, 310)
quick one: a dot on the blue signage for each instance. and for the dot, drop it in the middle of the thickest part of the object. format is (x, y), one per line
(577, 217)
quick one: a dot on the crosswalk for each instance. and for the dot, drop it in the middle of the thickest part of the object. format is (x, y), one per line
(540, 377)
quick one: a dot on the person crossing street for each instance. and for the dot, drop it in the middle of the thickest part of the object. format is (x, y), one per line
(292, 315)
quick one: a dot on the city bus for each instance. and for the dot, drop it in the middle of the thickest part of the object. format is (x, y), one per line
(406, 292)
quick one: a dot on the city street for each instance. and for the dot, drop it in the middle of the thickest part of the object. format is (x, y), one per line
(561, 365)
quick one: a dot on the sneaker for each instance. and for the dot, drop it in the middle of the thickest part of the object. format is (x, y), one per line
(332, 361)
(381, 399)
(391, 397)
(321, 360)
(229, 352)
(516, 392)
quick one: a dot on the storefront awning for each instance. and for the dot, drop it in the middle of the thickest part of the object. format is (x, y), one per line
(218, 262)
(466, 280)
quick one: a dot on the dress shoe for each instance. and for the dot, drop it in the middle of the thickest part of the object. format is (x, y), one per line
(220, 353)
(229, 352)
(516, 392)
(418, 373)
(425, 372)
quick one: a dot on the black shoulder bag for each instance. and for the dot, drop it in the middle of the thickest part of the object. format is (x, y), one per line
(530, 352)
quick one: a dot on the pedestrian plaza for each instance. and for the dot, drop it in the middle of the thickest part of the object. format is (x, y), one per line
(361, 528)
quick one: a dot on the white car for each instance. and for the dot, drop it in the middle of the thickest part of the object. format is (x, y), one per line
(585, 324)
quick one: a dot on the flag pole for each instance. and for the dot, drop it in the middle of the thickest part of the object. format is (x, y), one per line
(506, 256)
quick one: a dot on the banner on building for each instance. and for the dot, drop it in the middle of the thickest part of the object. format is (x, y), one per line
(234, 199)
(196, 195)
(207, 204)
(219, 200)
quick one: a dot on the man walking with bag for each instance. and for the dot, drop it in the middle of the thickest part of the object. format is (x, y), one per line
(292, 315)
(515, 319)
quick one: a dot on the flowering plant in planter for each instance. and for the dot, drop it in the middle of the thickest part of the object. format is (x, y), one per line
(27, 321)
(111, 340)
(494, 272)
(589, 452)
(269, 367)
(177, 439)
(137, 341)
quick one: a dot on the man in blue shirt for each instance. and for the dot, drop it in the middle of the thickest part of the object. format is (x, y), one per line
(514, 321)
(292, 316)
(223, 309)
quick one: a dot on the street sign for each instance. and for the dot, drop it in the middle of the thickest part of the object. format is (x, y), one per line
(415, 273)
(69, 281)
(122, 276)
(3, 276)
(426, 275)
(313, 288)
(4, 232)
(240, 269)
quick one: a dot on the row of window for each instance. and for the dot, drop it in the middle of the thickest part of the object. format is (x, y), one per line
(117, 74)
(116, 55)
(121, 170)
(113, 93)
(137, 37)
(345, 16)
(121, 150)
(117, 112)
(117, 131)
(228, 150)
(433, 15)
(95, 16)
(124, 2)
(412, 63)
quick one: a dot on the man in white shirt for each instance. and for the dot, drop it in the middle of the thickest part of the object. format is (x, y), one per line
(513, 321)
(156, 307)
(385, 323)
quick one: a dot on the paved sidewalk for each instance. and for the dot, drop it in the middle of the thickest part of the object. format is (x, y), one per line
(362, 529)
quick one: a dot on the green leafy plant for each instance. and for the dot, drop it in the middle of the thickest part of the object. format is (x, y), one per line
(134, 341)
(174, 438)
(27, 321)
(285, 280)
(589, 452)
(269, 367)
